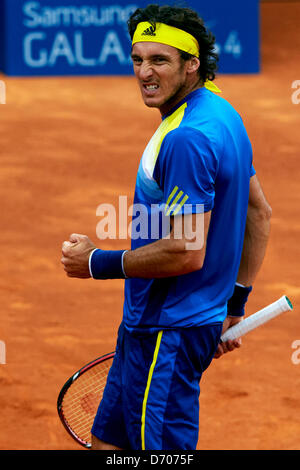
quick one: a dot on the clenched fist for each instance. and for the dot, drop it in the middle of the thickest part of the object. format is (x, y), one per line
(76, 253)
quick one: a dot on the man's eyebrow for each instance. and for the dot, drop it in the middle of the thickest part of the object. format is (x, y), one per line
(153, 56)
(164, 56)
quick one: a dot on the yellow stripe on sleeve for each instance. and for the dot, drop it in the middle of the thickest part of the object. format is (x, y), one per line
(180, 205)
(158, 341)
(174, 202)
(175, 189)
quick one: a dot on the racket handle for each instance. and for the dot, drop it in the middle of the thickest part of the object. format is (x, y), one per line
(259, 318)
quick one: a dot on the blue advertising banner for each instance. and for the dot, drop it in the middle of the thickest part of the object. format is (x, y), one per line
(89, 37)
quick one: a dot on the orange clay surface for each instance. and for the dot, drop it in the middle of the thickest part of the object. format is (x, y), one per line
(69, 144)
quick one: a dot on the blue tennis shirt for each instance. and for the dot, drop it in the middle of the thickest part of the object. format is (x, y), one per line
(198, 160)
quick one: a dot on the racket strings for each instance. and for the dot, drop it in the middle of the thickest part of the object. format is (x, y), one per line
(81, 401)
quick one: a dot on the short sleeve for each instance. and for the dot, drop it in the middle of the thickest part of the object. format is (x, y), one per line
(186, 170)
(252, 171)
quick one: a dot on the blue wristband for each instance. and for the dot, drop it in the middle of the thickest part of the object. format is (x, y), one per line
(107, 264)
(236, 304)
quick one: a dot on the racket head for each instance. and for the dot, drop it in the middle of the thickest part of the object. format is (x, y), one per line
(79, 398)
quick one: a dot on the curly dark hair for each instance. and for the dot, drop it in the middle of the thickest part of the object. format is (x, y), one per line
(187, 20)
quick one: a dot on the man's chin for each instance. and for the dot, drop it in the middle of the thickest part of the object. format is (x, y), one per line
(150, 103)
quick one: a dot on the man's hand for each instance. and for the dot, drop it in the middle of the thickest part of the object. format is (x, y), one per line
(229, 345)
(76, 253)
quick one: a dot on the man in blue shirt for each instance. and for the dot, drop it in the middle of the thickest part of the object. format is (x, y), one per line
(180, 291)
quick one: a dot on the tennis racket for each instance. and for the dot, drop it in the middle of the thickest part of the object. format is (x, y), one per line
(79, 398)
(257, 319)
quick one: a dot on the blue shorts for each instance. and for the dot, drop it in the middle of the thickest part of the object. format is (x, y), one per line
(151, 399)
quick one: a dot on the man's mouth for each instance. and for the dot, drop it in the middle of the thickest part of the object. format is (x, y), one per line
(150, 87)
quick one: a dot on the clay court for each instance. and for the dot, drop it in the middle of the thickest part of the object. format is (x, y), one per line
(70, 144)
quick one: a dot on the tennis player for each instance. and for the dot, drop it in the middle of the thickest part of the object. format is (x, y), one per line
(179, 294)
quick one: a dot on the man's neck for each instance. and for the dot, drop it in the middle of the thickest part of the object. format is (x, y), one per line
(179, 96)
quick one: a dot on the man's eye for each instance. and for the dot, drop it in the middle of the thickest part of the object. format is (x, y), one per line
(136, 60)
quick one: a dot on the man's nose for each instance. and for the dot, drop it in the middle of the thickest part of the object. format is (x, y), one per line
(145, 71)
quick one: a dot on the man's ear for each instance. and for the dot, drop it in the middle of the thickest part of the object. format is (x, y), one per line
(193, 65)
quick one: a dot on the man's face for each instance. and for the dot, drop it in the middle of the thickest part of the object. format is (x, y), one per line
(161, 74)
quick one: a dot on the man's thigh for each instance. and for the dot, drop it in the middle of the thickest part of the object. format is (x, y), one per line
(109, 425)
(151, 400)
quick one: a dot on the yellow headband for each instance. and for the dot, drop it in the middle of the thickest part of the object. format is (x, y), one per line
(171, 36)
(166, 34)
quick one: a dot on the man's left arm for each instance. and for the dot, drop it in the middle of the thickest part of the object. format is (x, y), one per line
(255, 243)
